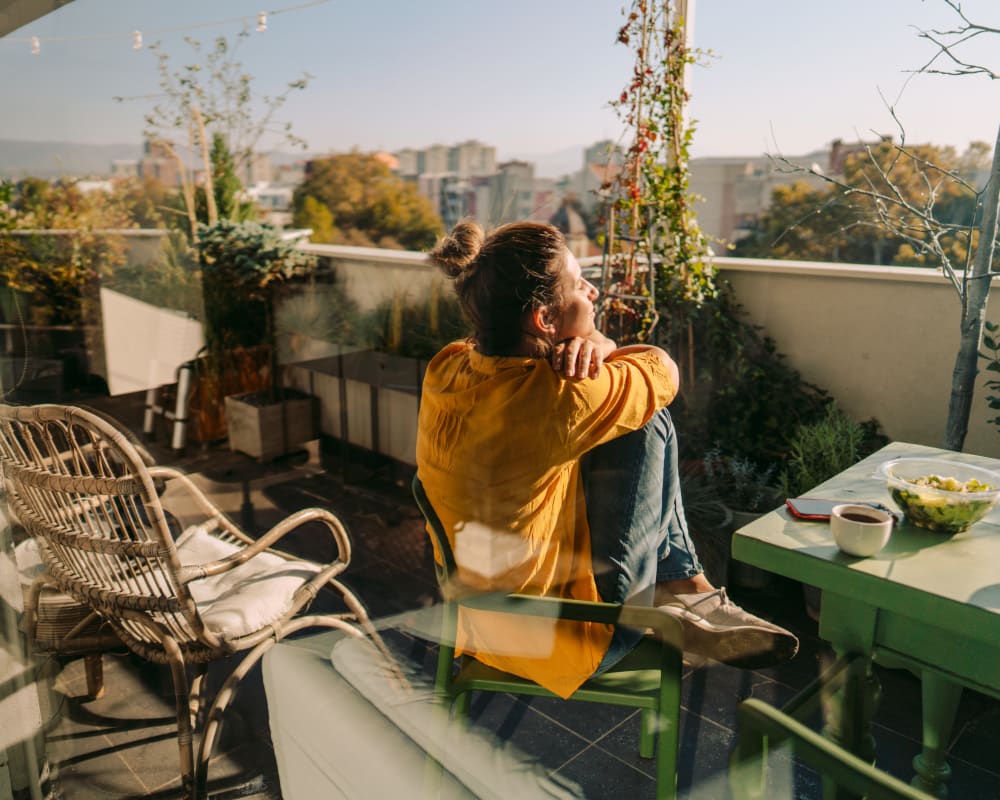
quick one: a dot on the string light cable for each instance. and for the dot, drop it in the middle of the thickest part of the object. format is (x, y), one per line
(259, 21)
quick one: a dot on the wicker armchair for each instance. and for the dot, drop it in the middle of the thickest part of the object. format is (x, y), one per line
(58, 625)
(85, 495)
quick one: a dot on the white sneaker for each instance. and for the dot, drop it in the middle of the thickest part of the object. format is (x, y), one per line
(721, 630)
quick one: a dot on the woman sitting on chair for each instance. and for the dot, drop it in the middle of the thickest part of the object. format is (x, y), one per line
(551, 459)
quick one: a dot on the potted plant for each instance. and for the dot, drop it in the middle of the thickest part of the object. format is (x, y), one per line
(710, 521)
(745, 488)
(244, 266)
(748, 491)
(818, 451)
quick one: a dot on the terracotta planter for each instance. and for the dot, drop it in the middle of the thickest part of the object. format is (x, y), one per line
(268, 430)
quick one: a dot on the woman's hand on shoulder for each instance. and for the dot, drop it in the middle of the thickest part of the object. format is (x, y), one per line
(579, 358)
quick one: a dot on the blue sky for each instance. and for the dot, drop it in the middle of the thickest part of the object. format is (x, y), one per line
(528, 76)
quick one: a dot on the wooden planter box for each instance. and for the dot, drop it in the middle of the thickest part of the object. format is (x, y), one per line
(367, 398)
(266, 431)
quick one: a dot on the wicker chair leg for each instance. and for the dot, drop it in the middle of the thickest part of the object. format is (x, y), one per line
(361, 615)
(185, 733)
(196, 702)
(213, 719)
(94, 668)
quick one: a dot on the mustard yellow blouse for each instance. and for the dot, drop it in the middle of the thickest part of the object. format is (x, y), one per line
(498, 448)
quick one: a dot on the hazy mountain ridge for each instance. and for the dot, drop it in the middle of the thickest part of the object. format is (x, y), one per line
(20, 158)
(554, 164)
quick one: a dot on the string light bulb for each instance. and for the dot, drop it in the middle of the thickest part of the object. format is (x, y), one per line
(261, 22)
(136, 40)
(36, 46)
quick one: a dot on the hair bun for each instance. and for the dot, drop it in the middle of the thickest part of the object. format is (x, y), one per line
(457, 251)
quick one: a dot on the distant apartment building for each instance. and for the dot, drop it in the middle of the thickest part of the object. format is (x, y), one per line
(433, 160)
(273, 197)
(273, 202)
(290, 174)
(407, 162)
(472, 159)
(158, 162)
(125, 168)
(568, 220)
(603, 152)
(458, 198)
(512, 192)
(456, 179)
(256, 169)
(601, 163)
(735, 190)
(547, 200)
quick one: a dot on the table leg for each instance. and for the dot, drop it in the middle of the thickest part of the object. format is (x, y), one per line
(940, 702)
(848, 714)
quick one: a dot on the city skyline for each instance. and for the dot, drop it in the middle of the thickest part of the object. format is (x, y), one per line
(395, 75)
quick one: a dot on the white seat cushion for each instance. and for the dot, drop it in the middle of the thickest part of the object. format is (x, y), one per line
(248, 597)
(487, 767)
(29, 562)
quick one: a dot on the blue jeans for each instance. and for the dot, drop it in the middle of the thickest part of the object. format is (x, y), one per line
(638, 532)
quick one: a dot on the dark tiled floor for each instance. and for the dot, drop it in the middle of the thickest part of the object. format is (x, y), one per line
(122, 745)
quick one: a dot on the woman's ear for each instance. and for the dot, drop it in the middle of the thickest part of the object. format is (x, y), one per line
(542, 322)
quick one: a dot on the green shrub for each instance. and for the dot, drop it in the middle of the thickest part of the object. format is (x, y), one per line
(744, 398)
(242, 264)
(739, 482)
(825, 448)
(415, 329)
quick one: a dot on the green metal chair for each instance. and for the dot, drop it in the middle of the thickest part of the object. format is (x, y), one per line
(763, 728)
(649, 678)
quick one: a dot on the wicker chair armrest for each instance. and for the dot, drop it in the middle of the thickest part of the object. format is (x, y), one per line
(206, 506)
(288, 524)
(663, 626)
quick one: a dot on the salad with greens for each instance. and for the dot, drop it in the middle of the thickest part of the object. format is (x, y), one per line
(944, 504)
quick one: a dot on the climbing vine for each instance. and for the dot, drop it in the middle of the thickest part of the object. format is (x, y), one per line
(650, 219)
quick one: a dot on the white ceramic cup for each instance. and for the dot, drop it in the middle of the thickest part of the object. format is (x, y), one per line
(860, 530)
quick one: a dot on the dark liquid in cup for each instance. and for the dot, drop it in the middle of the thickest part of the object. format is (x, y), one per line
(853, 516)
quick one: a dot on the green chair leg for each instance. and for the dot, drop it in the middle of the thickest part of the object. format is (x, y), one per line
(461, 706)
(647, 733)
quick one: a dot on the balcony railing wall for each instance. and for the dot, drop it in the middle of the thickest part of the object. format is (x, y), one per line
(881, 340)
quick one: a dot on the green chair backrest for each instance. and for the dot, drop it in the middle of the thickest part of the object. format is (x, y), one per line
(445, 571)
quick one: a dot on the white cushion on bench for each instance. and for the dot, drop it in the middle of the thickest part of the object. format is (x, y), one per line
(370, 737)
(489, 768)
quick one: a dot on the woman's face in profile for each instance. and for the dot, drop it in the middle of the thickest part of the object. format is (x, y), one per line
(576, 315)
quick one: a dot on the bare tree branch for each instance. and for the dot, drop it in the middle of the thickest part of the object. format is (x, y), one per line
(912, 216)
(950, 41)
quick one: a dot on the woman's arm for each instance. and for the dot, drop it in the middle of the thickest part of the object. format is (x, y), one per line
(668, 362)
(582, 358)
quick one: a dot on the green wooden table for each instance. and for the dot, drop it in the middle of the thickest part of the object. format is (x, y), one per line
(926, 602)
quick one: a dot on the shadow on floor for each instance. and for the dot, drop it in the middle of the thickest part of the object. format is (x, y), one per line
(123, 745)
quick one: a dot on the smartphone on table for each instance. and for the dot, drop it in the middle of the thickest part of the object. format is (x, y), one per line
(817, 508)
